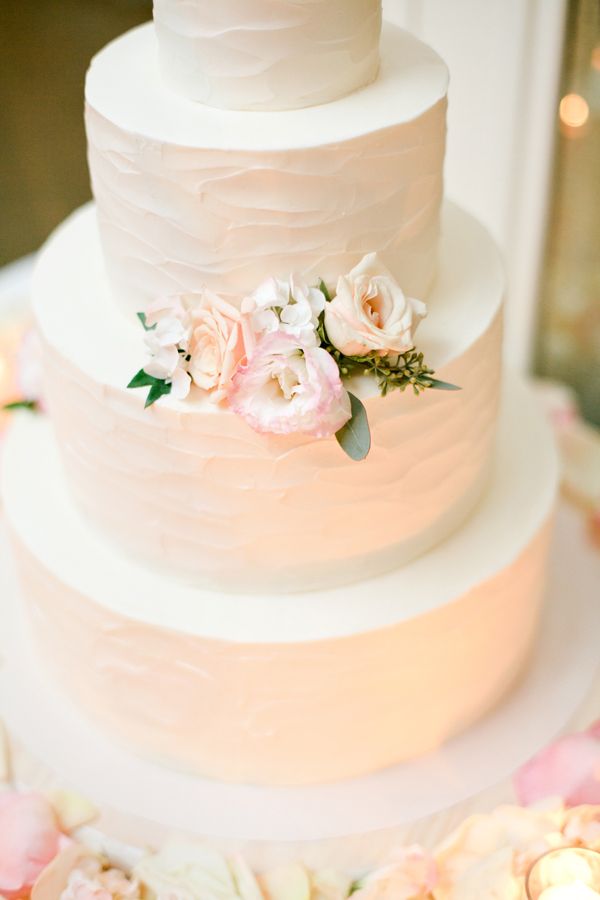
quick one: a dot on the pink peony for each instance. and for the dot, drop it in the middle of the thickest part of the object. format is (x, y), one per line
(370, 312)
(569, 768)
(288, 387)
(29, 841)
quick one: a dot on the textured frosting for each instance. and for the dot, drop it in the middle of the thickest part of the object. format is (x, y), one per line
(189, 196)
(268, 54)
(214, 686)
(191, 487)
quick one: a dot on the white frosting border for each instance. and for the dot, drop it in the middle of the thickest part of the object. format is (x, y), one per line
(412, 79)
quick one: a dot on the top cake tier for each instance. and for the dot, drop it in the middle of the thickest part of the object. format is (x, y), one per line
(190, 197)
(267, 54)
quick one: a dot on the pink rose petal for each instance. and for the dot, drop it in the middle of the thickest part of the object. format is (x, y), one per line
(29, 841)
(569, 768)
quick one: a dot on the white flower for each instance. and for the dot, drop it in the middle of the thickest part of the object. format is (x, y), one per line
(169, 322)
(184, 870)
(288, 387)
(290, 306)
(370, 312)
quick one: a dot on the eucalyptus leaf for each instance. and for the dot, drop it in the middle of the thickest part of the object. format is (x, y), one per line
(324, 290)
(141, 379)
(355, 436)
(142, 317)
(159, 389)
(438, 385)
(31, 405)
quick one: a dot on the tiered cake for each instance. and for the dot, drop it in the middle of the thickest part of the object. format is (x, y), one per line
(249, 602)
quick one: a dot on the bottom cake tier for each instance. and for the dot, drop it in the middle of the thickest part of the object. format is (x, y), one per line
(297, 688)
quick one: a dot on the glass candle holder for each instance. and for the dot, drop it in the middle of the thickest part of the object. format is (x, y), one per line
(567, 873)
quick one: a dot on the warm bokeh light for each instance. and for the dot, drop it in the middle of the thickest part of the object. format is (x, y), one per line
(596, 58)
(574, 111)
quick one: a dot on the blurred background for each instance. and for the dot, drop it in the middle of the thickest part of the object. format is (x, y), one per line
(523, 147)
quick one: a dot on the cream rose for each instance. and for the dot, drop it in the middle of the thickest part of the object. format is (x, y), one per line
(216, 346)
(370, 312)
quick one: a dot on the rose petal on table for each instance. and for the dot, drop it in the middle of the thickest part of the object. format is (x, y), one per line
(72, 809)
(287, 883)
(569, 768)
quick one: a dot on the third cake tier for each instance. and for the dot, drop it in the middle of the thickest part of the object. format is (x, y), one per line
(190, 487)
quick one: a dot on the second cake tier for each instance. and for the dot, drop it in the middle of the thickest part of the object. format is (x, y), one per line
(189, 486)
(288, 689)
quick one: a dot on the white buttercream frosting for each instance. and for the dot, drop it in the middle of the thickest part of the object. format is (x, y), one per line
(267, 54)
(191, 487)
(191, 197)
(298, 688)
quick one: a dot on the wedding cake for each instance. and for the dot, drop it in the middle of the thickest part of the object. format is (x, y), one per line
(270, 531)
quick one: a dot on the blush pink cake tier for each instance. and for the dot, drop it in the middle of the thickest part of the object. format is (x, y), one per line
(206, 571)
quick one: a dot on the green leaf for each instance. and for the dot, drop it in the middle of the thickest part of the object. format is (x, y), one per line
(142, 317)
(324, 290)
(355, 437)
(31, 405)
(158, 386)
(141, 379)
(438, 385)
(159, 389)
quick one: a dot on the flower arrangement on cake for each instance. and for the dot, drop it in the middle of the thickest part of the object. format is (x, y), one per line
(44, 856)
(281, 360)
